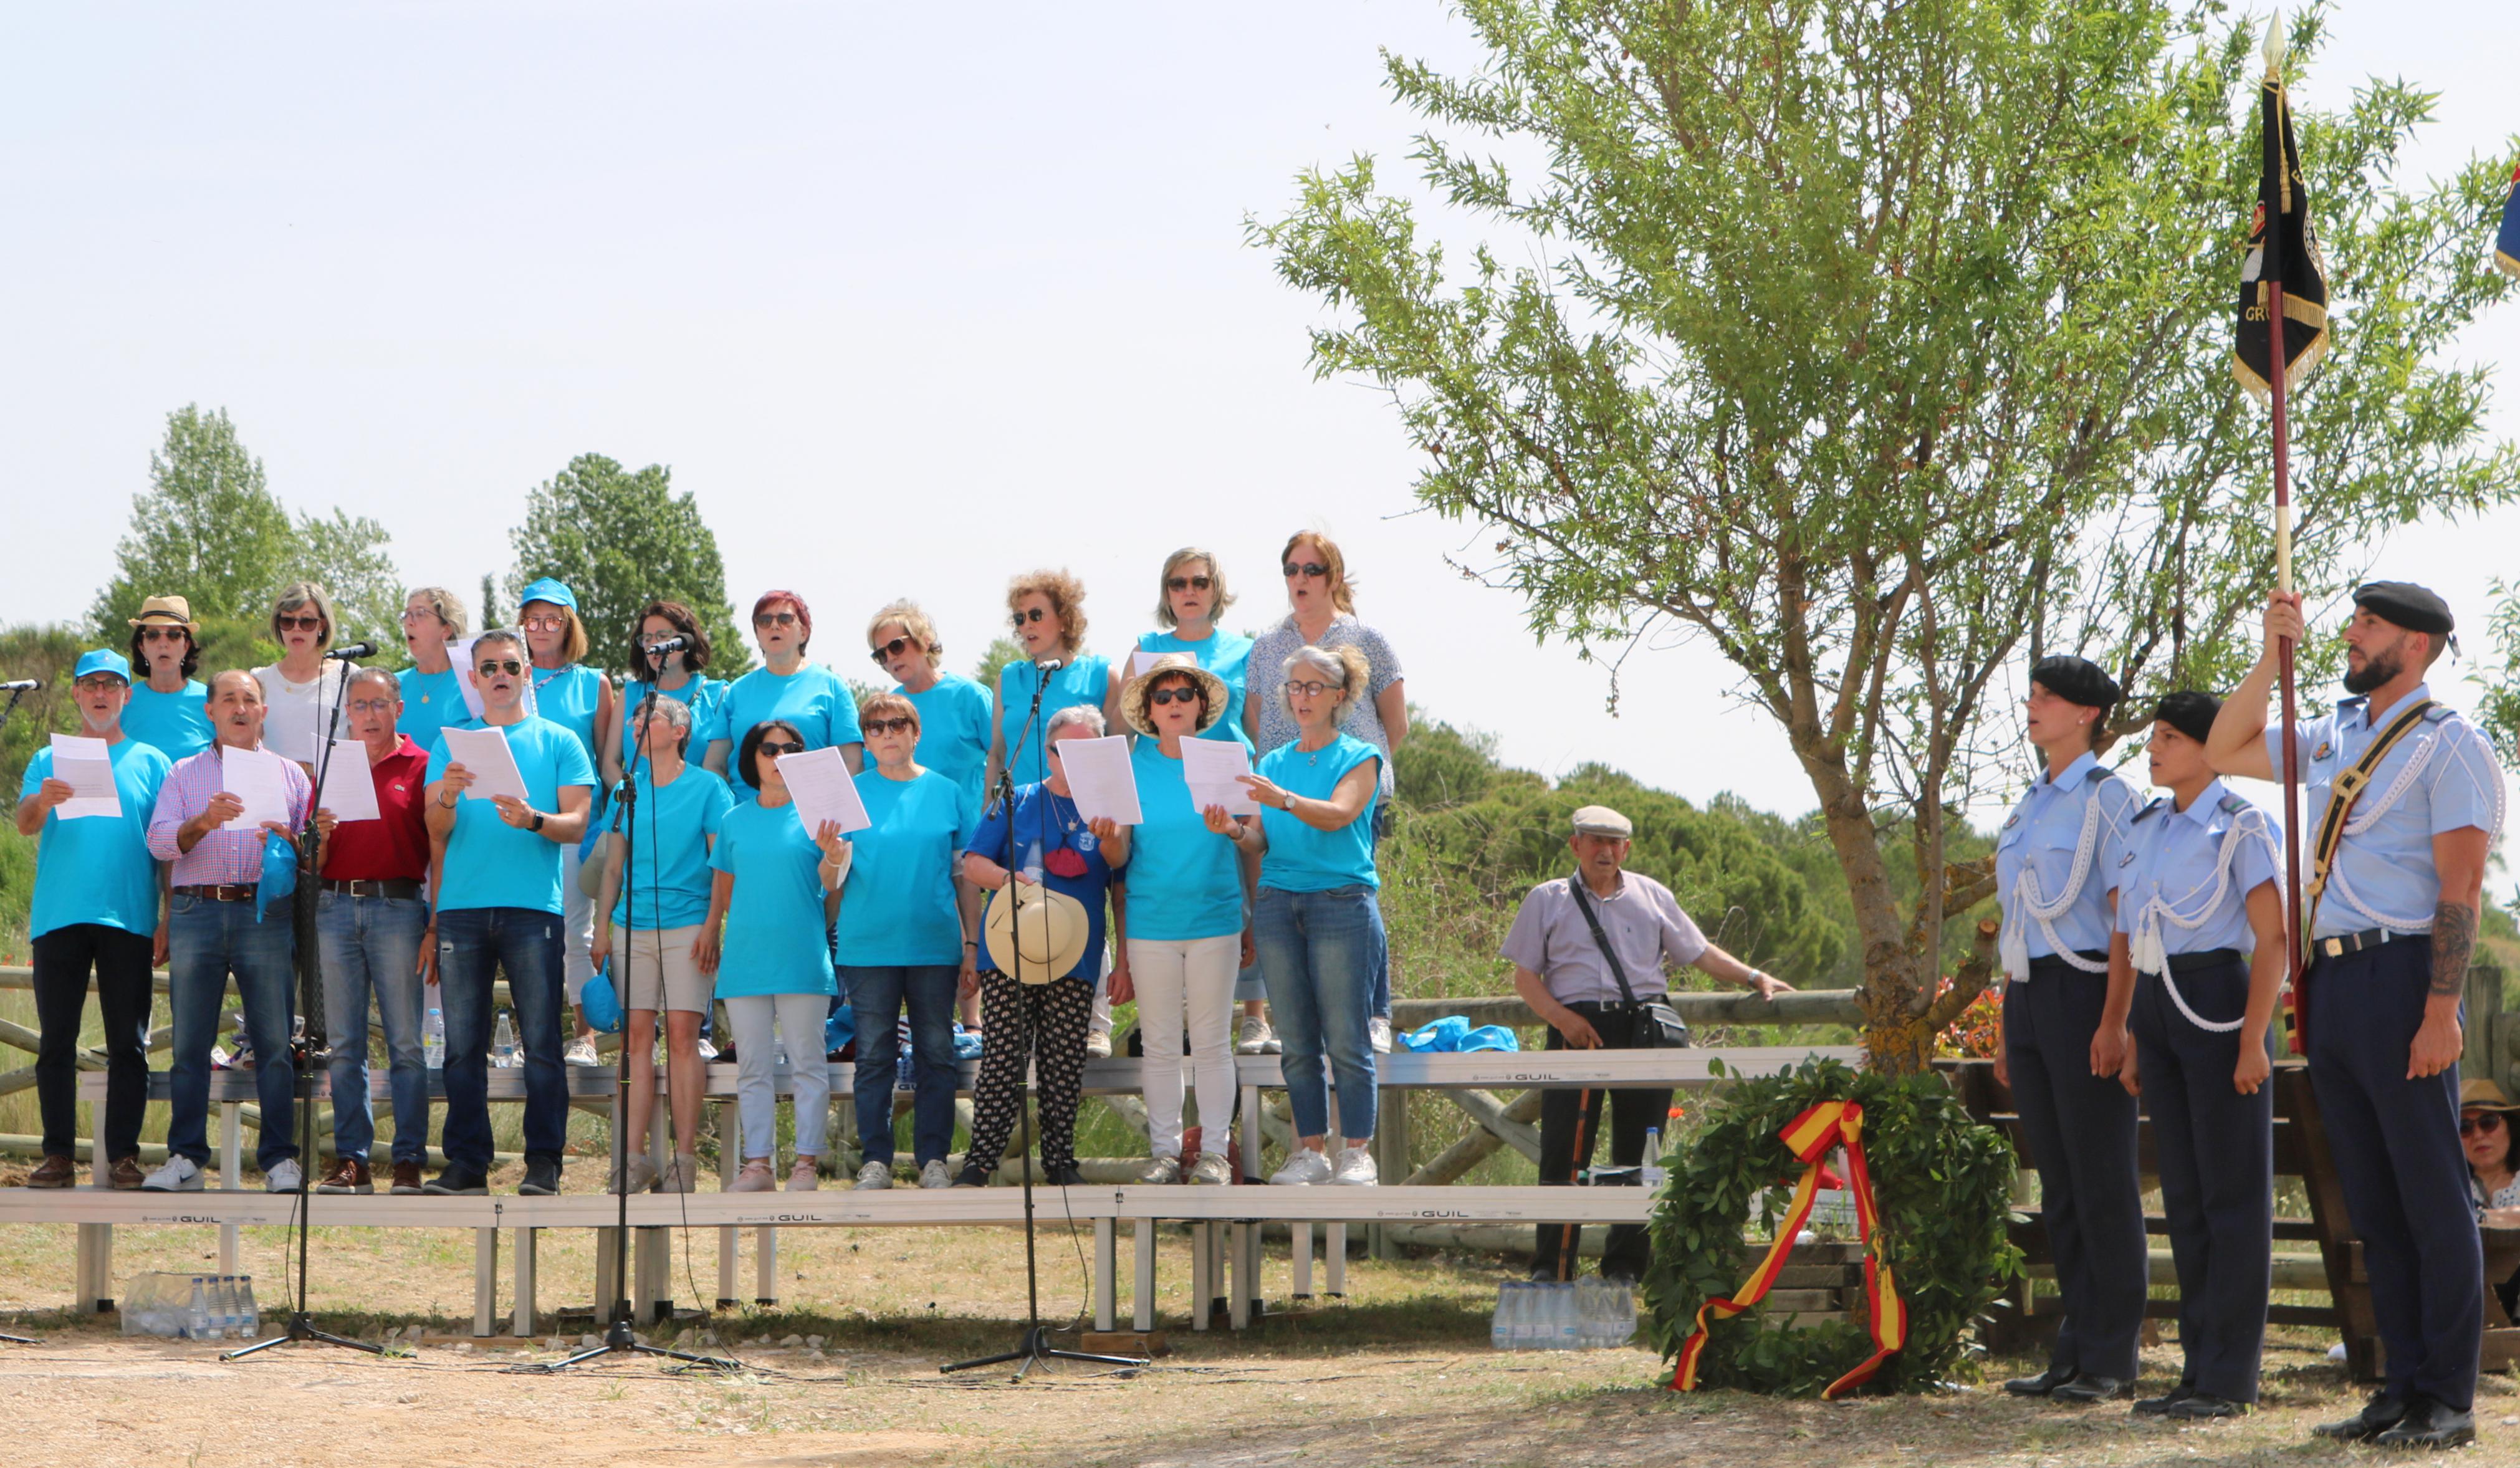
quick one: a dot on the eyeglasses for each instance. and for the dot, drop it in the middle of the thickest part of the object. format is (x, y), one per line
(781, 746)
(774, 619)
(1311, 689)
(509, 665)
(162, 634)
(894, 725)
(420, 615)
(372, 706)
(98, 683)
(1294, 569)
(1176, 696)
(2483, 1121)
(1186, 583)
(890, 650)
(545, 624)
(298, 623)
(650, 639)
(1029, 613)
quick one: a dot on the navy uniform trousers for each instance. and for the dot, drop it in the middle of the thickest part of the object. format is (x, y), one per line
(2395, 1143)
(2081, 1130)
(2216, 1151)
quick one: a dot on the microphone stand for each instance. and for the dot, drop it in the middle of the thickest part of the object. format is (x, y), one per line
(1034, 1349)
(303, 1051)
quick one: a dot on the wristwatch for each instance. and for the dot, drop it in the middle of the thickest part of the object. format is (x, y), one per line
(538, 820)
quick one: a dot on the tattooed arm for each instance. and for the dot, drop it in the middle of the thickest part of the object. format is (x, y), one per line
(2460, 857)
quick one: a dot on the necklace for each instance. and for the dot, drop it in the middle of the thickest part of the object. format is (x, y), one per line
(544, 681)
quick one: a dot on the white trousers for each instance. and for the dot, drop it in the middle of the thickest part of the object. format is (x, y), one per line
(1187, 985)
(798, 1017)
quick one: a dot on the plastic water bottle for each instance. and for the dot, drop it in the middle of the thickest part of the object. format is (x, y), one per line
(502, 1044)
(433, 1039)
(1500, 1330)
(230, 1307)
(1653, 1172)
(197, 1314)
(247, 1311)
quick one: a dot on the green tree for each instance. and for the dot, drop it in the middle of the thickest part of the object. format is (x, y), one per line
(619, 540)
(47, 653)
(2499, 676)
(1001, 651)
(1882, 346)
(489, 610)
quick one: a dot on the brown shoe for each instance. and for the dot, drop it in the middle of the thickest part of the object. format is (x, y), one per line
(56, 1171)
(348, 1175)
(406, 1177)
(126, 1174)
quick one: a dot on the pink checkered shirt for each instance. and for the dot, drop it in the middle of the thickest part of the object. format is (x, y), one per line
(222, 859)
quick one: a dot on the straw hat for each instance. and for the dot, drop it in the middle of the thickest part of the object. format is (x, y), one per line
(2484, 1095)
(1133, 694)
(166, 611)
(1055, 930)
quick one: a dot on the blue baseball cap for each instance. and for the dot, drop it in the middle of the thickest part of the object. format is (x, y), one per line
(103, 660)
(548, 589)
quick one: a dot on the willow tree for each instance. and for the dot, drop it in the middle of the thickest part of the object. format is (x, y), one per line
(1885, 347)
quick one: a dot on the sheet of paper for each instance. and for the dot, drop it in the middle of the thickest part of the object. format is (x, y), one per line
(485, 756)
(1211, 768)
(824, 790)
(1101, 778)
(1141, 660)
(86, 765)
(349, 783)
(459, 653)
(260, 779)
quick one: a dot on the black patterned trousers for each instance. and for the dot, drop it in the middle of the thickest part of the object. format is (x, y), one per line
(1060, 1009)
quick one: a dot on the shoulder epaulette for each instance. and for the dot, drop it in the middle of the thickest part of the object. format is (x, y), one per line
(2231, 805)
(2097, 774)
(2149, 807)
(2436, 712)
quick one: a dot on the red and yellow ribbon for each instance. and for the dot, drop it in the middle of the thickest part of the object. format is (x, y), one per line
(1809, 1138)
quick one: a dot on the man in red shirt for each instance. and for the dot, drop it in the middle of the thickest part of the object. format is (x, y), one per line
(372, 926)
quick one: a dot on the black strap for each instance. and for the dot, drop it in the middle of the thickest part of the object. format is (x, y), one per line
(2341, 798)
(1602, 941)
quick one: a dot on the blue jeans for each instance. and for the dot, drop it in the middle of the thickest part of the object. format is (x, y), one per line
(207, 942)
(1316, 951)
(877, 994)
(474, 945)
(372, 944)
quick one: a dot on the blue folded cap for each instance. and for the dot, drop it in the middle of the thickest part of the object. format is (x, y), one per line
(103, 660)
(1453, 1035)
(550, 589)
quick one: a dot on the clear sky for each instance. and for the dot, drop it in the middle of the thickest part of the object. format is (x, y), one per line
(910, 299)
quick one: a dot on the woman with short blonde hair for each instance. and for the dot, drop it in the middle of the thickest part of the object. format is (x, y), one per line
(432, 687)
(954, 712)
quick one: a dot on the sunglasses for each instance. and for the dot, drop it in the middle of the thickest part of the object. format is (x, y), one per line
(897, 724)
(890, 650)
(1176, 695)
(162, 634)
(774, 619)
(545, 624)
(2488, 1121)
(298, 623)
(1187, 584)
(1294, 569)
(782, 746)
(1034, 613)
(509, 665)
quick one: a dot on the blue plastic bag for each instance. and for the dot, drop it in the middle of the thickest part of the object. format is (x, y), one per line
(279, 873)
(602, 1002)
(1453, 1035)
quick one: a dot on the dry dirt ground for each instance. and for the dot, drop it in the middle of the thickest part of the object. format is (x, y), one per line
(1400, 1373)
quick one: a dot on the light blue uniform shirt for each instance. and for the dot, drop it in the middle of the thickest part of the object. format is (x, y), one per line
(1184, 880)
(177, 724)
(1300, 858)
(490, 863)
(702, 695)
(98, 869)
(897, 904)
(673, 828)
(2041, 839)
(775, 939)
(1086, 679)
(1224, 654)
(2441, 777)
(2171, 878)
(429, 703)
(954, 731)
(812, 698)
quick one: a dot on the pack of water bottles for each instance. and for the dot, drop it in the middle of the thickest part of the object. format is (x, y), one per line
(191, 1307)
(1586, 1314)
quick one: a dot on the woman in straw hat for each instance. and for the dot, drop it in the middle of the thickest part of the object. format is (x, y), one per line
(168, 710)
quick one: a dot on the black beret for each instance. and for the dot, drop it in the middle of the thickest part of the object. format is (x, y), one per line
(2077, 680)
(2190, 713)
(2412, 607)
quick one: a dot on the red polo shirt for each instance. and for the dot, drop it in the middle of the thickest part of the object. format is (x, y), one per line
(398, 843)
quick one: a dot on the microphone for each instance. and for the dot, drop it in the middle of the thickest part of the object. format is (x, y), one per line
(669, 645)
(21, 685)
(1049, 664)
(354, 649)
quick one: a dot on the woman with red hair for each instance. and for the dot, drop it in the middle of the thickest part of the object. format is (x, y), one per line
(807, 697)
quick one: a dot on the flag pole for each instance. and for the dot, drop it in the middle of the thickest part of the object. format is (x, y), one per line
(2272, 274)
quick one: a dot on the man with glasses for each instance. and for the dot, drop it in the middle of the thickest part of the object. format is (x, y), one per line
(372, 926)
(498, 908)
(95, 907)
(168, 708)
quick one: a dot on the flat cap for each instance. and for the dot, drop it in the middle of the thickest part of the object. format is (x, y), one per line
(2415, 608)
(2077, 680)
(1601, 820)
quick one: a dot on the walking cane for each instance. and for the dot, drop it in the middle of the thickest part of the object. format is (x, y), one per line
(1583, 1159)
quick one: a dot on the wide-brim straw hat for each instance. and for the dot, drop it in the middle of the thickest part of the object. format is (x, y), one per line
(1053, 925)
(1133, 694)
(2484, 1095)
(166, 611)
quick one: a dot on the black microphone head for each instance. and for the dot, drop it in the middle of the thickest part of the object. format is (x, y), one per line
(353, 650)
(669, 645)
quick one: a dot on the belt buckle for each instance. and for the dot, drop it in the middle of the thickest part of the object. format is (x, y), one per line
(2333, 948)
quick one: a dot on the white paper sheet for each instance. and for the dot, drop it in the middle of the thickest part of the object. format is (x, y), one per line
(86, 765)
(349, 783)
(1101, 778)
(1211, 768)
(487, 758)
(459, 653)
(260, 779)
(820, 783)
(1141, 660)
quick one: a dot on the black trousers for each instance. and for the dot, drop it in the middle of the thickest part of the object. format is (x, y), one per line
(64, 959)
(2395, 1143)
(2216, 1151)
(2081, 1131)
(1632, 1114)
(1063, 1008)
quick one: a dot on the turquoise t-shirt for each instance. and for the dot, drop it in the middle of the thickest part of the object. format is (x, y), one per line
(1184, 878)
(812, 698)
(1225, 654)
(1086, 679)
(775, 941)
(570, 697)
(490, 863)
(97, 869)
(429, 703)
(1300, 858)
(177, 724)
(897, 905)
(953, 730)
(676, 823)
(704, 696)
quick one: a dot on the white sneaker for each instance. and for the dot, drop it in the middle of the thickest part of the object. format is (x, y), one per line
(581, 1052)
(178, 1175)
(754, 1178)
(1255, 1037)
(803, 1177)
(1097, 1044)
(285, 1177)
(1161, 1170)
(874, 1175)
(1377, 1034)
(1305, 1167)
(708, 1052)
(1210, 1170)
(934, 1175)
(1355, 1168)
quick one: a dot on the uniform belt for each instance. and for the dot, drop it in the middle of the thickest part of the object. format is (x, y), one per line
(244, 893)
(401, 887)
(2052, 963)
(2355, 942)
(2204, 958)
